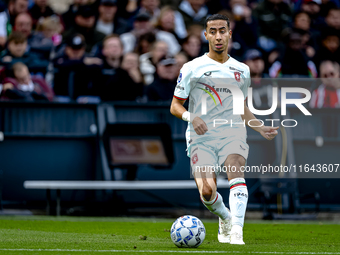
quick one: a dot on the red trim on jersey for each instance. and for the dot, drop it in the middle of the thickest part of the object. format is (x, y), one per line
(236, 185)
(245, 99)
(179, 98)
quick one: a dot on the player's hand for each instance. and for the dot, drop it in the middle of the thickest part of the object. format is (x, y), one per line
(199, 126)
(269, 132)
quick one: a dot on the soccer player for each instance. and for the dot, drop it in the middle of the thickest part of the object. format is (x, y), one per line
(221, 145)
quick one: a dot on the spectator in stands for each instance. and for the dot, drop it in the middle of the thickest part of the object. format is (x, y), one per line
(253, 59)
(198, 31)
(292, 60)
(142, 25)
(162, 88)
(74, 70)
(181, 59)
(193, 12)
(302, 21)
(69, 16)
(37, 42)
(108, 22)
(16, 52)
(151, 7)
(130, 64)
(24, 88)
(245, 30)
(120, 78)
(16, 7)
(309, 43)
(145, 43)
(40, 9)
(51, 28)
(262, 88)
(330, 46)
(215, 6)
(333, 19)
(148, 61)
(24, 24)
(84, 24)
(111, 54)
(168, 22)
(127, 10)
(7, 17)
(302, 25)
(326, 5)
(272, 16)
(312, 7)
(191, 46)
(327, 95)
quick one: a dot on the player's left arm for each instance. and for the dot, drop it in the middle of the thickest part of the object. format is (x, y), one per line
(267, 132)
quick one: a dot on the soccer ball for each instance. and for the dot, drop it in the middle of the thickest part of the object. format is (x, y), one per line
(188, 232)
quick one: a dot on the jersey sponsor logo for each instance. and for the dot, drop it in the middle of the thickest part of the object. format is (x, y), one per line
(239, 194)
(234, 69)
(209, 93)
(179, 87)
(225, 90)
(237, 76)
(207, 73)
(179, 78)
(194, 159)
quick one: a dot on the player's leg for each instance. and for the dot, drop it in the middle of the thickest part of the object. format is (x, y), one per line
(238, 197)
(233, 154)
(213, 201)
(203, 161)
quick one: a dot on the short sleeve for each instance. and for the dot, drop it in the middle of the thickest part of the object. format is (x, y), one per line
(182, 89)
(247, 82)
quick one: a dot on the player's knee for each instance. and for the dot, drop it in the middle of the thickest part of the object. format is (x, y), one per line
(207, 192)
(236, 160)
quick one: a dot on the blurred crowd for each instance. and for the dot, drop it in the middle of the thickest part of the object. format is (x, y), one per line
(133, 50)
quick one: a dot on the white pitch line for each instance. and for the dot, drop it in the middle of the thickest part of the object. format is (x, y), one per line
(179, 251)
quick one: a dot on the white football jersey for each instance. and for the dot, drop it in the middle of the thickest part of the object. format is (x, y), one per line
(208, 85)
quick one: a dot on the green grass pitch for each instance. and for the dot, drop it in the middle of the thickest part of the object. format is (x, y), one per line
(77, 235)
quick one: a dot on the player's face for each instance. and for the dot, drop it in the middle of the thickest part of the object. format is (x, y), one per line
(218, 35)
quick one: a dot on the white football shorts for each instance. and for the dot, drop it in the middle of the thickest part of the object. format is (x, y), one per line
(215, 152)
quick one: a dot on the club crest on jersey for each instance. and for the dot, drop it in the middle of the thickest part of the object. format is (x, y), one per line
(237, 76)
(179, 78)
(194, 159)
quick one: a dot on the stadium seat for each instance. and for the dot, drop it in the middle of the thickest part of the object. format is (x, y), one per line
(272, 188)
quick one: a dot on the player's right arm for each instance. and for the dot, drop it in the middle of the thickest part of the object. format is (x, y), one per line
(181, 94)
(177, 109)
